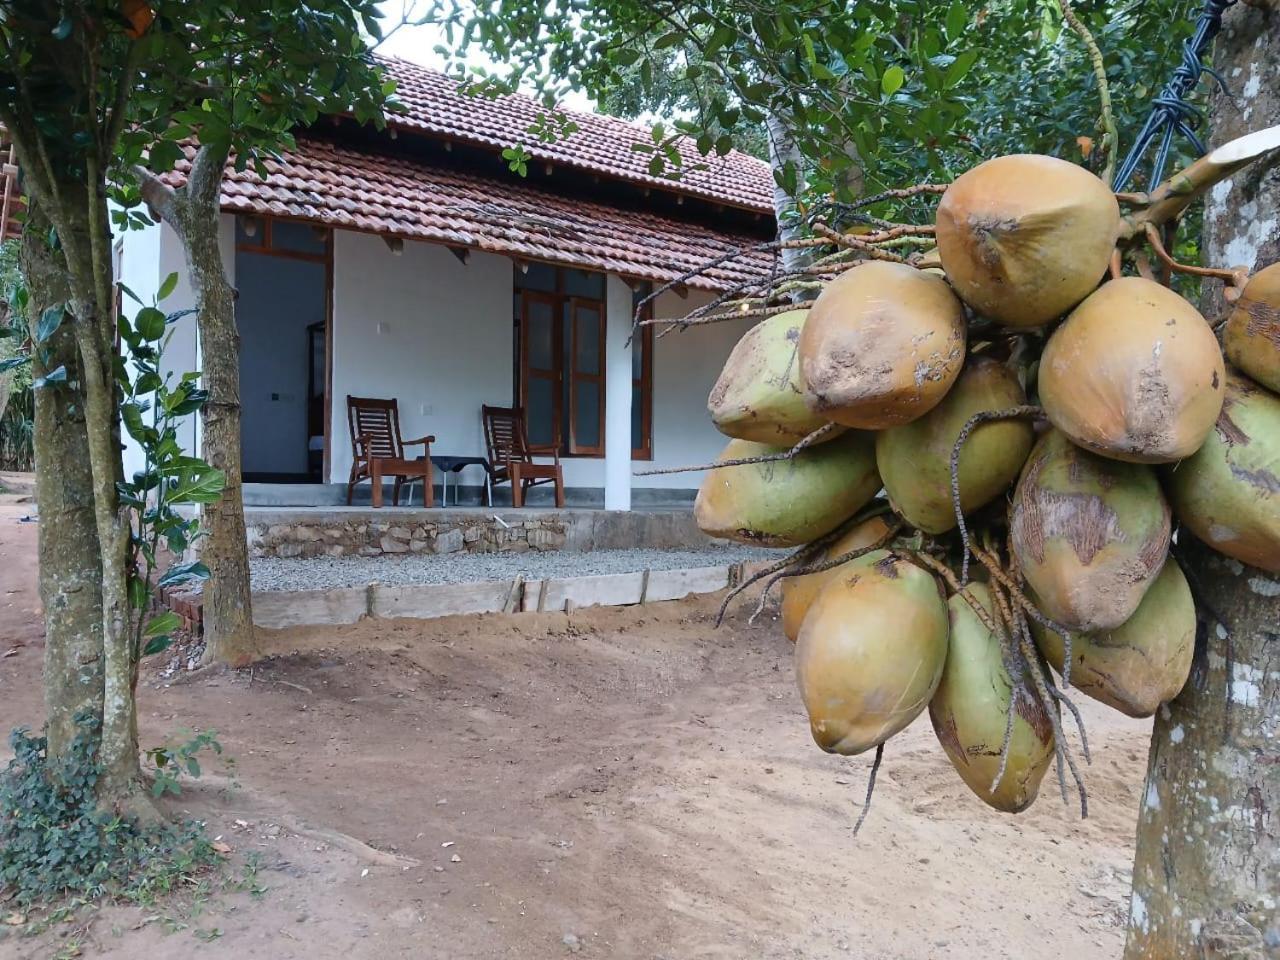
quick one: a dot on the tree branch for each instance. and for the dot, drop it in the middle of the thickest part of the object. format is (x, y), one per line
(1110, 138)
(160, 198)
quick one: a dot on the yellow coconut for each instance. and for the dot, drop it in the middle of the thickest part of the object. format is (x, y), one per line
(1251, 338)
(1228, 493)
(970, 711)
(785, 503)
(871, 652)
(1142, 663)
(1134, 373)
(1024, 238)
(758, 396)
(798, 592)
(1089, 533)
(882, 345)
(915, 459)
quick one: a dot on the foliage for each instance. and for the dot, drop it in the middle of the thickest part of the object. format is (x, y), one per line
(176, 759)
(55, 842)
(918, 90)
(153, 405)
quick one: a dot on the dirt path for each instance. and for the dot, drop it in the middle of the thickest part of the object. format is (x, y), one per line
(617, 783)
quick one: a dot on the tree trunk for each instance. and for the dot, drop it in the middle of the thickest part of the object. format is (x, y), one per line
(784, 152)
(193, 213)
(70, 564)
(1206, 878)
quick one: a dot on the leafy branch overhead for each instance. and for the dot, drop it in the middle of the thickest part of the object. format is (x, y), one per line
(908, 90)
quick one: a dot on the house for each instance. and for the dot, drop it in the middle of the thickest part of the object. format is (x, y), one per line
(412, 263)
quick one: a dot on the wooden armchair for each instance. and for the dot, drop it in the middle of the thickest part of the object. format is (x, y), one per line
(511, 458)
(377, 450)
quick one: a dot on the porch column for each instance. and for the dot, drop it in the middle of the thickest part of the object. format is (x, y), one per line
(617, 397)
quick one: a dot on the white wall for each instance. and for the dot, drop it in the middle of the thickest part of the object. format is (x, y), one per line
(147, 258)
(426, 329)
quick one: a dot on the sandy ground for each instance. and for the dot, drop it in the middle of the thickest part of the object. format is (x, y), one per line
(616, 783)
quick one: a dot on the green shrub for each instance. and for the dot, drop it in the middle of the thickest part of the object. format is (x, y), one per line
(55, 842)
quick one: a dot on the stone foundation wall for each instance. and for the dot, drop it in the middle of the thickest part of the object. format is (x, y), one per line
(358, 535)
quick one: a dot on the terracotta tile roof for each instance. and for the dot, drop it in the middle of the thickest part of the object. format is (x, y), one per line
(602, 144)
(350, 188)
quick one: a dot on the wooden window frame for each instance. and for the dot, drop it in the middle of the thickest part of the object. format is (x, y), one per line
(642, 388)
(555, 375)
(575, 376)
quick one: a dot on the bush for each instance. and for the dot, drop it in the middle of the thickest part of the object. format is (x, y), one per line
(55, 842)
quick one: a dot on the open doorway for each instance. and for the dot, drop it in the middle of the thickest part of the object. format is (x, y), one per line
(283, 272)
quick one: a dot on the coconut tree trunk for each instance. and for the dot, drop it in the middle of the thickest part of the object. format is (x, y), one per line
(69, 562)
(193, 212)
(784, 155)
(1206, 878)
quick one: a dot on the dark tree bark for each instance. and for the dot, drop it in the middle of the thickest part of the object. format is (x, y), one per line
(1206, 879)
(70, 563)
(192, 211)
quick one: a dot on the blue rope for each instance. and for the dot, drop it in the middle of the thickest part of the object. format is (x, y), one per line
(1170, 112)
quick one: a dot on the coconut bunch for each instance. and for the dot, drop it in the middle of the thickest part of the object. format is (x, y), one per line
(985, 435)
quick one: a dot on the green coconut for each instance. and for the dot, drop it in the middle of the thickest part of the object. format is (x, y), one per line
(798, 593)
(915, 459)
(970, 711)
(759, 395)
(1251, 338)
(785, 503)
(1228, 492)
(882, 345)
(1140, 664)
(1089, 533)
(1024, 238)
(871, 652)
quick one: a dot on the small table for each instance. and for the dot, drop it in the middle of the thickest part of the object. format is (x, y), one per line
(448, 465)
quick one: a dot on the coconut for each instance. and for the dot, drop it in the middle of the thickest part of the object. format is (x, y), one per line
(871, 652)
(798, 592)
(1142, 663)
(1090, 534)
(758, 396)
(882, 345)
(1251, 339)
(1024, 238)
(785, 503)
(970, 712)
(1134, 373)
(1228, 494)
(915, 459)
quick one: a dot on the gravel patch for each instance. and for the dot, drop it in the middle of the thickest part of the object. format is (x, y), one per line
(324, 573)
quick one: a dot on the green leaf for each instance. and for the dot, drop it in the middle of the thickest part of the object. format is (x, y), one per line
(162, 623)
(668, 40)
(149, 323)
(957, 19)
(56, 375)
(50, 320)
(166, 288)
(184, 573)
(892, 80)
(129, 293)
(62, 29)
(157, 645)
(12, 362)
(960, 67)
(199, 487)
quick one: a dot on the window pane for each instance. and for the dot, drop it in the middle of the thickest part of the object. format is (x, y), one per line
(540, 411)
(540, 331)
(249, 231)
(587, 411)
(580, 283)
(297, 237)
(587, 340)
(637, 421)
(539, 276)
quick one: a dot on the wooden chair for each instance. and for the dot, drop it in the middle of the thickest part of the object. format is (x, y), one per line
(377, 450)
(511, 457)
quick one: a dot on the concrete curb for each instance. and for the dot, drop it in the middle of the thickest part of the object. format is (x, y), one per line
(277, 609)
